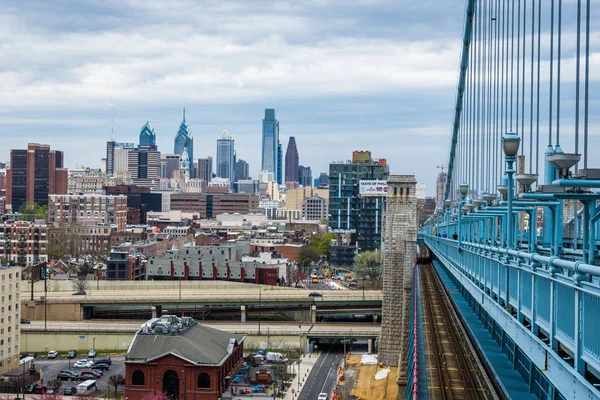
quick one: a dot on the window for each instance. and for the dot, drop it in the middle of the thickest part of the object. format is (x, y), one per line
(138, 378)
(204, 381)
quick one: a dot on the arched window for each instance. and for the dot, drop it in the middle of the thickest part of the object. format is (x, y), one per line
(204, 381)
(138, 378)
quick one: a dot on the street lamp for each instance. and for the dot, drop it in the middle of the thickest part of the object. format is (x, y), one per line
(464, 189)
(510, 145)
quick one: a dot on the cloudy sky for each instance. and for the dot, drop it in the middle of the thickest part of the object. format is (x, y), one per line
(343, 75)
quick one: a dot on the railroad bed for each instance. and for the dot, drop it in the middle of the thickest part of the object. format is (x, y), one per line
(454, 370)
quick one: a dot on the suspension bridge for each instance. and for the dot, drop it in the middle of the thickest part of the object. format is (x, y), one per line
(515, 241)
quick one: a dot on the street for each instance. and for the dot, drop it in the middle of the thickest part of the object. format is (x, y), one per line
(323, 376)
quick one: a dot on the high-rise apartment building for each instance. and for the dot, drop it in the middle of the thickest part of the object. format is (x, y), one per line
(304, 176)
(352, 214)
(291, 161)
(88, 209)
(205, 169)
(271, 148)
(147, 136)
(242, 170)
(33, 175)
(315, 208)
(440, 183)
(10, 279)
(225, 156)
(184, 140)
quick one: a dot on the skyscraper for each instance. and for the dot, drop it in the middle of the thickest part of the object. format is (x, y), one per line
(33, 175)
(205, 168)
(116, 156)
(144, 167)
(147, 136)
(242, 170)
(291, 161)
(184, 140)
(304, 176)
(225, 155)
(271, 149)
(279, 164)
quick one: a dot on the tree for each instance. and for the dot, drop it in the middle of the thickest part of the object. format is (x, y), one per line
(115, 381)
(368, 264)
(322, 243)
(297, 276)
(65, 242)
(54, 384)
(32, 211)
(308, 255)
(156, 396)
(80, 284)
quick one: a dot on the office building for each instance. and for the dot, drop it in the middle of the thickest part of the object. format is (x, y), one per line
(304, 176)
(10, 279)
(184, 140)
(147, 136)
(139, 201)
(117, 156)
(440, 184)
(271, 148)
(24, 242)
(205, 169)
(168, 164)
(294, 198)
(291, 161)
(357, 216)
(242, 170)
(86, 180)
(225, 156)
(33, 175)
(269, 208)
(279, 164)
(210, 205)
(88, 209)
(322, 181)
(315, 208)
(144, 167)
(249, 186)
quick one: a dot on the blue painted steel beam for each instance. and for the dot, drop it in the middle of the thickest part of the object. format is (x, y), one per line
(464, 64)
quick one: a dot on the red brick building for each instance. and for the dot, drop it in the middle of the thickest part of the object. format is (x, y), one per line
(182, 359)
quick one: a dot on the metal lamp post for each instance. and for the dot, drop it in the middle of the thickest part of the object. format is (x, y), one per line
(464, 189)
(510, 145)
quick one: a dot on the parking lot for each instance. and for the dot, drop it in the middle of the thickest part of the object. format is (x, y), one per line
(51, 368)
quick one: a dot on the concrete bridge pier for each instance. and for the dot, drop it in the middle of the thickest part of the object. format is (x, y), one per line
(156, 311)
(370, 346)
(243, 313)
(375, 318)
(313, 313)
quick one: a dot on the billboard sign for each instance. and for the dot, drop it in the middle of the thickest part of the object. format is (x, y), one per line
(373, 188)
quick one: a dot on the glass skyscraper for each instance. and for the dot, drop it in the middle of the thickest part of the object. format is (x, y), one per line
(271, 149)
(225, 156)
(147, 136)
(184, 140)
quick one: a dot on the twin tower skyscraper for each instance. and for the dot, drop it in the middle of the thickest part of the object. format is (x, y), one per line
(272, 155)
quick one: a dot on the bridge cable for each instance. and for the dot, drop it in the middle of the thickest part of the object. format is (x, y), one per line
(587, 84)
(577, 79)
(551, 72)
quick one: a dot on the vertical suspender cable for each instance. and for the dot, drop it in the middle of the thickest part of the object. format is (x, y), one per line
(512, 60)
(577, 77)
(478, 125)
(558, 73)
(523, 80)
(587, 85)
(551, 71)
(537, 133)
(497, 96)
(531, 89)
(518, 70)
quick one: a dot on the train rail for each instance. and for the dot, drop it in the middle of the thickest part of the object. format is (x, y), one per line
(454, 368)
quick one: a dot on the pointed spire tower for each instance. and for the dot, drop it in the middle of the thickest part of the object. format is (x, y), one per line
(185, 141)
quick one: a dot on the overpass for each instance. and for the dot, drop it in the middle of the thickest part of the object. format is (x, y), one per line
(143, 299)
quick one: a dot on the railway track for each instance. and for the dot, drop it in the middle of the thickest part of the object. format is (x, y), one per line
(454, 369)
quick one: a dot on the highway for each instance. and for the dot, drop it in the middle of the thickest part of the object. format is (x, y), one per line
(246, 328)
(323, 376)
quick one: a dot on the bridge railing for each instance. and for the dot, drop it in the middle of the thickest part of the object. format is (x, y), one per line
(412, 372)
(554, 299)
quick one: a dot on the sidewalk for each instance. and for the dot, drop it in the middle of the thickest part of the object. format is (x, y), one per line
(306, 365)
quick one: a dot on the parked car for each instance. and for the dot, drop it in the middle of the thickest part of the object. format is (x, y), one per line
(67, 376)
(101, 366)
(315, 294)
(40, 389)
(99, 371)
(90, 372)
(31, 388)
(92, 353)
(87, 376)
(70, 391)
(105, 360)
(322, 396)
(83, 363)
(25, 321)
(72, 354)
(80, 293)
(52, 354)
(34, 355)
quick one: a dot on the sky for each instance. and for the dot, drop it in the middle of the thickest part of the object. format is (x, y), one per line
(343, 75)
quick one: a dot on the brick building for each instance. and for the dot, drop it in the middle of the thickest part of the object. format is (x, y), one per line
(33, 175)
(89, 209)
(24, 242)
(10, 278)
(139, 201)
(185, 360)
(210, 205)
(123, 266)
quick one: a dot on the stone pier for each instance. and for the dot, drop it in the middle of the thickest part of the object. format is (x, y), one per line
(400, 241)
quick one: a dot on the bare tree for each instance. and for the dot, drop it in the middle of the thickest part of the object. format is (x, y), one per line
(115, 381)
(54, 384)
(80, 284)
